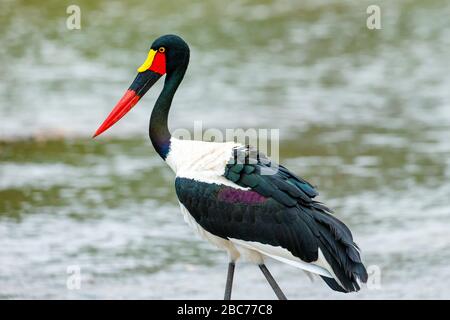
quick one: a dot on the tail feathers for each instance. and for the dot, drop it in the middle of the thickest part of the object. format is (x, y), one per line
(333, 284)
(341, 253)
(347, 277)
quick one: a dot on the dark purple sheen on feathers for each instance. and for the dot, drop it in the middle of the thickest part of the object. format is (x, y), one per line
(232, 195)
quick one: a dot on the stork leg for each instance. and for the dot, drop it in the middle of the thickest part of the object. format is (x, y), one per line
(229, 284)
(272, 282)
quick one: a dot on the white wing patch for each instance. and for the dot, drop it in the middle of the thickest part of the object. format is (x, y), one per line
(201, 161)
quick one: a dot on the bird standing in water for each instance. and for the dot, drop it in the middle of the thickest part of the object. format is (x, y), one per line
(235, 197)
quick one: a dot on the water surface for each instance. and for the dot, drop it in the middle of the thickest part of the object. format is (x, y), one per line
(364, 115)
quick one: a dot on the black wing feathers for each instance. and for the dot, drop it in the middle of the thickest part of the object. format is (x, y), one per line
(270, 180)
(266, 222)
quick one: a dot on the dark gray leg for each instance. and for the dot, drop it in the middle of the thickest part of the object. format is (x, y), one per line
(272, 282)
(229, 284)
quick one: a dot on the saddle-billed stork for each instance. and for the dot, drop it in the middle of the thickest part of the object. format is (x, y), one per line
(235, 197)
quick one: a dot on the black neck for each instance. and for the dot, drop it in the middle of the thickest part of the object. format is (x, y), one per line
(159, 131)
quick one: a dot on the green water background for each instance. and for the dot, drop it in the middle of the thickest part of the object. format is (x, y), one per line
(363, 114)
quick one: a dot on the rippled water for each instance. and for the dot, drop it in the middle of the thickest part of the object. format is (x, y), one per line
(364, 115)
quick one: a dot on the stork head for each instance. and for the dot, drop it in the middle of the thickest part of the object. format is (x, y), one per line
(168, 54)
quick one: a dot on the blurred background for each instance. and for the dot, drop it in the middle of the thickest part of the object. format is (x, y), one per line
(363, 114)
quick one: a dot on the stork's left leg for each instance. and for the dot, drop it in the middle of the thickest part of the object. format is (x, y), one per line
(272, 282)
(229, 284)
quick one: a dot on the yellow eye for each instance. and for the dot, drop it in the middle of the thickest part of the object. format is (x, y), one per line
(162, 49)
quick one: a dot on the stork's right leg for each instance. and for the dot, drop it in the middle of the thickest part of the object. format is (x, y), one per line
(229, 284)
(272, 282)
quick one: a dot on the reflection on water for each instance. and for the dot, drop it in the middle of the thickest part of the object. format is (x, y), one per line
(363, 114)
